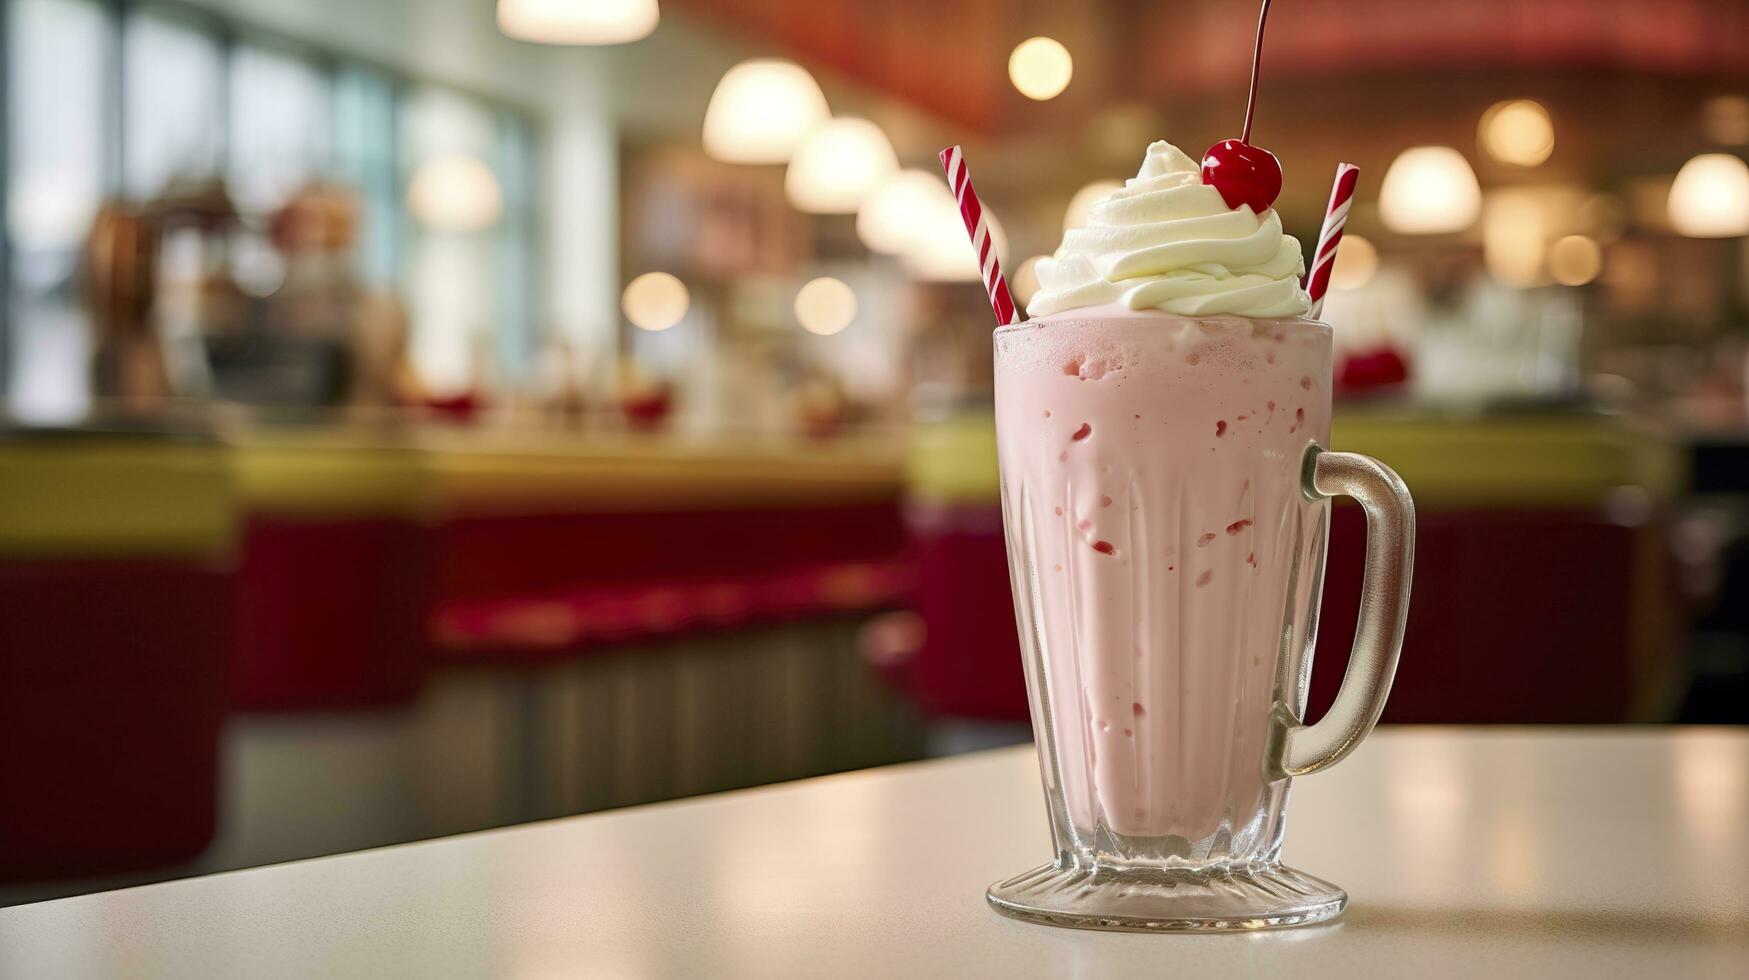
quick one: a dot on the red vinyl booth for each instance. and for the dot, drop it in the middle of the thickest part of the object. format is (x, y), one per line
(115, 612)
(334, 568)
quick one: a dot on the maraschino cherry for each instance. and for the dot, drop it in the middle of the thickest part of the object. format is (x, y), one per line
(1245, 174)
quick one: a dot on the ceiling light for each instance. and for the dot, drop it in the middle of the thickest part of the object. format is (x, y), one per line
(1710, 198)
(761, 110)
(577, 21)
(1429, 190)
(838, 165)
(899, 209)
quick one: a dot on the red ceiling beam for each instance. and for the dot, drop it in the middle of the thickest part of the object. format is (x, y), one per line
(949, 57)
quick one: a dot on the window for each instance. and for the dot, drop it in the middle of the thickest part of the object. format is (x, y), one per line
(281, 127)
(173, 90)
(518, 332)
(364, 159)
(123, 100)
(57, 56)
(455, 198)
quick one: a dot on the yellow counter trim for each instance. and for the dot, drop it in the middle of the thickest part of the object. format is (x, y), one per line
(635, 474)
(953, 461)
(95, 498)
(314, 478)
(1524, 461)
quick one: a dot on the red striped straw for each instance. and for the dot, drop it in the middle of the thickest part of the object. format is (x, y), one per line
(1335, 216)
(960, 179)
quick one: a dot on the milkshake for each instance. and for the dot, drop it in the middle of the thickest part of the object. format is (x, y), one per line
(1159, 423)
(1150, 422)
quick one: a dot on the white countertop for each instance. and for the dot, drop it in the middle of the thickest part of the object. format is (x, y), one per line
(1490, 854)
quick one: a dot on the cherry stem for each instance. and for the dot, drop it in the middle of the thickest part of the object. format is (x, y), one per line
(1256, 63)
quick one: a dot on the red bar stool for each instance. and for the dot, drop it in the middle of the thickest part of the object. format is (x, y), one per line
(116, 598)
(968, 667)
(689, 604)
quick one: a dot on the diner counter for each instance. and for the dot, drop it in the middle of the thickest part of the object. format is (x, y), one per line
(1503, 853)
(631, 472)
(95, 493)
(109, 494)
(435, 471)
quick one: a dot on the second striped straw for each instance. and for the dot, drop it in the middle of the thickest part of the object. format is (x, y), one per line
(1335, 216)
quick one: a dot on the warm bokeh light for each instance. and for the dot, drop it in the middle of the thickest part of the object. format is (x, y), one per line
(1356, 263)
(1514, 238)
(1040, 67)
(1024, 282)
(1710, 198)
(899, 209)
(761, 110)
(1075, 216)
(838, 165)
(655, 301)
(1575, 260)
(578, 21)
(943, 253)
(825, 306)
(1429, 190)
(455, 192)
(1518, 132)
(1726, 119)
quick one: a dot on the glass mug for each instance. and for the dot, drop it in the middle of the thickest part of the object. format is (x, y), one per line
(1166, 502)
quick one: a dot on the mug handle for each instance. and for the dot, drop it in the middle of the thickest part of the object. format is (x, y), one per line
(1295, 749)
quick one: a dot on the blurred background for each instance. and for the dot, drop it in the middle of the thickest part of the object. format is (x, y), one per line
(428, 415)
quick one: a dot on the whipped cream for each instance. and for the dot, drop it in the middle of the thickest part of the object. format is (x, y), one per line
(1167, 241)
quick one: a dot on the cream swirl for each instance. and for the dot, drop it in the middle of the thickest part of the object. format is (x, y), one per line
(1167, 241)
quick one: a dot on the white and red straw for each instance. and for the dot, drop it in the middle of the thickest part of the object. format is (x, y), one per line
(1335, 216)
(959, 178)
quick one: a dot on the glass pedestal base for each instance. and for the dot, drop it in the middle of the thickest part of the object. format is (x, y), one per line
(1146, 900)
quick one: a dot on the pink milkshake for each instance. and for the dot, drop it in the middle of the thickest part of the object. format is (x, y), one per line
(1159, 423)
(1151, 463)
